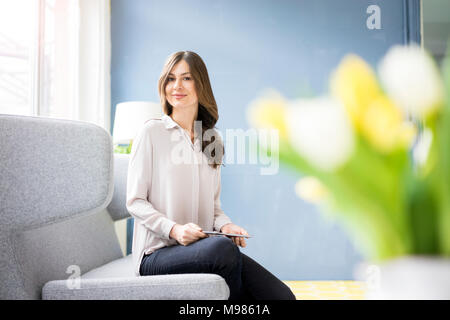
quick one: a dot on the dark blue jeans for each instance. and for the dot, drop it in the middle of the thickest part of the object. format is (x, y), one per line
(246, 279)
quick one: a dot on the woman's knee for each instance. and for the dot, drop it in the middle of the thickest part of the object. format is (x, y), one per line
(223, 252)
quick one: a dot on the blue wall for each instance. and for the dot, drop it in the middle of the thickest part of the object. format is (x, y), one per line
(247, 46)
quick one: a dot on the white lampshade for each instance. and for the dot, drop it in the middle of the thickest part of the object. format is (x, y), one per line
(130, 116)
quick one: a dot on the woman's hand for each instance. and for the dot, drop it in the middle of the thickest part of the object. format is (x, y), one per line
(232, 228)
(187, 233)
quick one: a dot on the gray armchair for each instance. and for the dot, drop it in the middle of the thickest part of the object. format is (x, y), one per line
(61, 189)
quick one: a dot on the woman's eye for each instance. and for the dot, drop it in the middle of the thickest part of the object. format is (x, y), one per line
(173, 79)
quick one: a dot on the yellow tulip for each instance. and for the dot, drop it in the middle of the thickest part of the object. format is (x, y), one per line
(384, 127)
(269, 112)
(407, 134)
(311, 189)
(354, 83)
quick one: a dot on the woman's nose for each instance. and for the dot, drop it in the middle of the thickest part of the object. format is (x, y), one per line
(178, 83)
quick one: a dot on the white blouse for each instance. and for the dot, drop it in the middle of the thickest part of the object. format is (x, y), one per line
(169, 181)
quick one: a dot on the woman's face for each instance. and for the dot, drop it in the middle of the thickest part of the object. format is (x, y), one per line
(180, 87)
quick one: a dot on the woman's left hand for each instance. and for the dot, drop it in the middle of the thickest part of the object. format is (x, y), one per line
(232, 228)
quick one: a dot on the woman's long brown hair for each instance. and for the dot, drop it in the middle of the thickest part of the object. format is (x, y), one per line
(207, 106)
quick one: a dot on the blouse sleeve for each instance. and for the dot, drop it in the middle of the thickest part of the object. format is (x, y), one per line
(220, 218)
(139, 182)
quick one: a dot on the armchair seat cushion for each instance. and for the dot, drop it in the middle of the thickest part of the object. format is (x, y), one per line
(116, 281)
(119, 268)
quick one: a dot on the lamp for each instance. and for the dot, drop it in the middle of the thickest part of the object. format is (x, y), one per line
(130, 116)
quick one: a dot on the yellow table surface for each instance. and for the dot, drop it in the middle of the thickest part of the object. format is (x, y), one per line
(328, 290)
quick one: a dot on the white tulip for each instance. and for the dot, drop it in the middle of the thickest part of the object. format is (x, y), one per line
(422, 148)
(320, 131)
(411, 79)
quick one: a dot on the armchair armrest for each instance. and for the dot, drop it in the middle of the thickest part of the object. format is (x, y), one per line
(160, 287)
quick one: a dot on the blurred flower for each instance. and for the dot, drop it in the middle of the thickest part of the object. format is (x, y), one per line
(421, 150)
(384, 127)
(268, 112)
(320, 131)
(355, 149)
(311, 189)
(355, 85)
(412, 80)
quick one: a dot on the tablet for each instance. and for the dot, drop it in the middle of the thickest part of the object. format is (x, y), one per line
(216, 233)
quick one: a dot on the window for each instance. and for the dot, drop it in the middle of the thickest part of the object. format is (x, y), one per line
(27, 56)
(18, 37)
(55, 59)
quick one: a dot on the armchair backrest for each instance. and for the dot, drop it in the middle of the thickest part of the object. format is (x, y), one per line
(117, 207)
(56, 181)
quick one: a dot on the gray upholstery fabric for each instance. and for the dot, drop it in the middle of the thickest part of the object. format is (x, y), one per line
(163, 287)
(117, 208)
(57, 211)
(116, 280)
(51, 170)
(119, 268)
(46, 253)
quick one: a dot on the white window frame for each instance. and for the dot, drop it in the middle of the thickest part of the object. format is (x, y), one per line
(37, 61)
(80, 84)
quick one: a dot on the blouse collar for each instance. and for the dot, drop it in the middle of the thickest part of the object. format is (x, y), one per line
(169, 122)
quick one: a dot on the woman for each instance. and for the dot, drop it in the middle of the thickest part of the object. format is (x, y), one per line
(174, 199)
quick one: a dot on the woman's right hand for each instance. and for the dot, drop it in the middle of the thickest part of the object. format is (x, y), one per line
(187, 233)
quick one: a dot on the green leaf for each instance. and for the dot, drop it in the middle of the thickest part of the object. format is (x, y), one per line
(440, 175)
(423, 217)
(360, 199)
